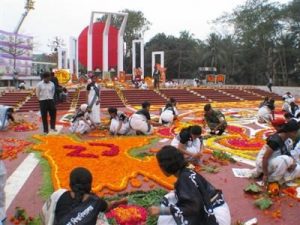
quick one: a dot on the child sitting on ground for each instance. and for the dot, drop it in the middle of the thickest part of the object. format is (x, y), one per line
(82, 123)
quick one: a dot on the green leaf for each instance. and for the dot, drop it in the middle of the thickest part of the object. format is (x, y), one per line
(263, 203)
(253, 188)
(210, 169)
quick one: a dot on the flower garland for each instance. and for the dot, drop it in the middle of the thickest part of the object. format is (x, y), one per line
(128, 215)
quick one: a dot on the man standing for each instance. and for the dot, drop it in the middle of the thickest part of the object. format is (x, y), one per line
(156, 77)
(215, 120)
(45, 91)
(270, 83)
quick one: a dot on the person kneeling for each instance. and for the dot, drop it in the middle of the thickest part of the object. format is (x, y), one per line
(140, 121)
(195, 201)
(274, 160)
(6, 116)
(119, 123)
(168, 114)
(78, 204)
(190, 143)
(215, 120)
(82, 122)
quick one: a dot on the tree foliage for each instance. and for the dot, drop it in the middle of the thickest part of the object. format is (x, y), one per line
(265, 42)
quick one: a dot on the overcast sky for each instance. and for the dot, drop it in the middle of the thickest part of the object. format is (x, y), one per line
(67, 18)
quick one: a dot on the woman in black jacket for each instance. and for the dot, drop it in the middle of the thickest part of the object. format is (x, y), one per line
(197, 201)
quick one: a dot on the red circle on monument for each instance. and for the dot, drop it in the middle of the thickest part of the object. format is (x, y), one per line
(97, 46)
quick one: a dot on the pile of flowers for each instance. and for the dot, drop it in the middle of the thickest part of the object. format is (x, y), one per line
(21, 217)
(128, 215)
(239, 143)
(11, 147)
(24, 126)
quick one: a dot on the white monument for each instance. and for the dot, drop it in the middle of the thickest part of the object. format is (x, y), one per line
(62, 61)
(142, 55)
(162, 59)
(73, 55)
(105, 41)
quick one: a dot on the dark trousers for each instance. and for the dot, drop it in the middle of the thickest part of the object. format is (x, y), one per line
(156, 83)
(270, 86)
(45, 107)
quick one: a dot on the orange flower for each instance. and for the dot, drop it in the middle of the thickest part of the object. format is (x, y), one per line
(111, 172)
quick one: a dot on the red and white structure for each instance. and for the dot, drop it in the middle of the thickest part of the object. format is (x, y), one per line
(105, 43)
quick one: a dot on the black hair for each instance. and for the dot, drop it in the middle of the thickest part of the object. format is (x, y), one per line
(10, 110)
(266, 98)
(196, 130)
(173, 100)
(168, 105)
(145, 104)
(170, 159)
(207, 107)
(112, 110)
(272, 100)
(288, 115)
(46, 74)
(290, 126)
(80, 182)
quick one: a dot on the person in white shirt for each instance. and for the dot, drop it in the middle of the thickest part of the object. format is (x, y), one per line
(82, 123)
(287, 98)
(119, 122)
(168, 114)
(45, 91)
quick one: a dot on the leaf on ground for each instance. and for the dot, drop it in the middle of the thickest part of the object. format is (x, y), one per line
(210, 169)
(263, 203)
(253, 189)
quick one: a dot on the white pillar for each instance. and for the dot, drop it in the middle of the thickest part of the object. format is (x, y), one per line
(73, 55)
(65, 58)
(121, 44)
(134, 42)
(142, 58)
(105, 44)
(162, 59)
(59, 58)
(77, 59)
(90, 44)
(133, 58)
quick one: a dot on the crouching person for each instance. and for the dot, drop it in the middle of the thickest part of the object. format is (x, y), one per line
(140, 121)
(168, 114)
(82, 123)
(119, 122)
(194, 201)
(189, 142)
(274, 160)
(76, 206)
(215, 120)
(6, 116)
